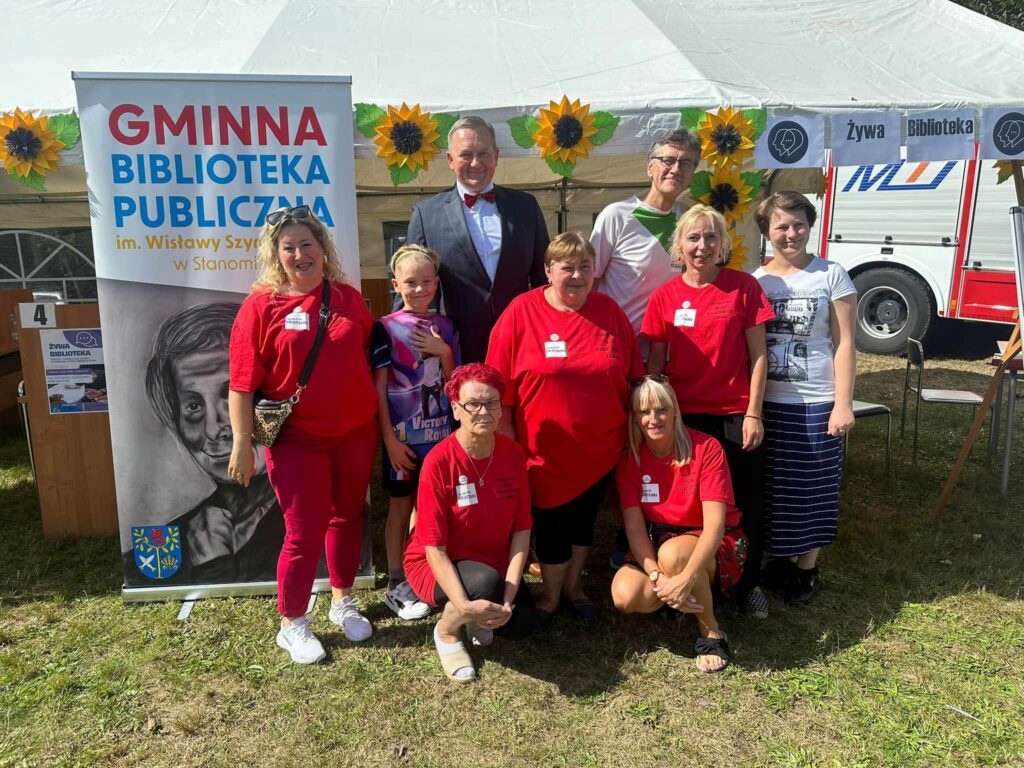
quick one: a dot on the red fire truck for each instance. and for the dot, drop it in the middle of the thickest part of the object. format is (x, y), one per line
(921, 240)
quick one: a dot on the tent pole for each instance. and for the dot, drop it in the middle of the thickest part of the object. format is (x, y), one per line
(562, 210)
(1018, 182)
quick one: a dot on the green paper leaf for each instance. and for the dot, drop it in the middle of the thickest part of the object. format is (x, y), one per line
(753, 178)
(561, 167)
(367, 117)
(606, 123)
(690, 118)
(701, 184)
(759, 119)
(445, 122)
(523, 128)
(35, 180)
(402, 174)
(66, 128)
(1004, 170)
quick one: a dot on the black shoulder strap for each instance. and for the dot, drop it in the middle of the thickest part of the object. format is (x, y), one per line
(321, 331)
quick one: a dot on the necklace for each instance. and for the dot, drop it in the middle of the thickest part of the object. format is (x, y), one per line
(472, 463)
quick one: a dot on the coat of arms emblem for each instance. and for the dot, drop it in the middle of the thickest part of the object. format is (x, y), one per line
(157, 550)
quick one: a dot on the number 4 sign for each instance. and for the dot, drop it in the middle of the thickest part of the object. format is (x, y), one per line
(37, 315)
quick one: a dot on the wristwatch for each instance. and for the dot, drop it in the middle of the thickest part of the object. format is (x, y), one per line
(654, 575)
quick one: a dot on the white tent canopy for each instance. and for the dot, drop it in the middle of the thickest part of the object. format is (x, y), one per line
(639, 59)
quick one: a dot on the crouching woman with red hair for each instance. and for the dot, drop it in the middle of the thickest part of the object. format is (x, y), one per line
(469, 547)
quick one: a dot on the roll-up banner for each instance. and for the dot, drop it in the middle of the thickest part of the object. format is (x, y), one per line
(182, 170)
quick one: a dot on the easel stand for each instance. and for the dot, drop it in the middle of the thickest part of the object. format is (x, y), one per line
(1013, 348)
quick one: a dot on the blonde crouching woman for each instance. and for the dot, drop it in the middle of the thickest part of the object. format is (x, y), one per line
(683, 528)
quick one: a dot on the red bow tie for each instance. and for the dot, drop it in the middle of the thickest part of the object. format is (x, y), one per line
(471, 199)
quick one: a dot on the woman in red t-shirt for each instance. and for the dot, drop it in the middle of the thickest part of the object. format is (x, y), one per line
(320, 464)
(706, 330)
(682, 525)
(568, 354)
(469, 547)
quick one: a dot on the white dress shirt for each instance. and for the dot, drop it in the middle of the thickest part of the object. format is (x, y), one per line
(484, 225)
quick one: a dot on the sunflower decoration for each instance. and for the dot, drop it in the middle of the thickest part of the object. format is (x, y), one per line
(406, 137)
(738, 253)
(30, 146)
(727, 191)
(727, 136)
(565, 132)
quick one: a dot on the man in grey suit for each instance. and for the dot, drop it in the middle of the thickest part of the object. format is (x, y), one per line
(491, 239)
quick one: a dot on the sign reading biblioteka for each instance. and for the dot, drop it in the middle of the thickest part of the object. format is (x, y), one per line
(940, 134)
(182, 170)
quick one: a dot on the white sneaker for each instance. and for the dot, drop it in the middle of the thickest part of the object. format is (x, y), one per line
(403, 601)
(347, 616)
(299, 640)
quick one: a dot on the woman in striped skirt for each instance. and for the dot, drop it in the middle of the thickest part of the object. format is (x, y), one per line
(809, 396)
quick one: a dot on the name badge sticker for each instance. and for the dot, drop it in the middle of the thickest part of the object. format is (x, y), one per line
(555, 347)
(686, 316)
(650, 492)
(297, 320)
(465, 495)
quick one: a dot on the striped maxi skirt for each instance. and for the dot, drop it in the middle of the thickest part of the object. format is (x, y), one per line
(802, 471)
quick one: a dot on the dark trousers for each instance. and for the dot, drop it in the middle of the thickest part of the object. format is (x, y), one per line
(556, 530)
(482, 582)
(747, 471)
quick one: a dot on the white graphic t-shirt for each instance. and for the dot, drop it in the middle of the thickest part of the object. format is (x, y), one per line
(631, 240)
(800, 347)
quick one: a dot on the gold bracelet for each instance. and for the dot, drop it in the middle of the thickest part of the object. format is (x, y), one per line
(242, 434)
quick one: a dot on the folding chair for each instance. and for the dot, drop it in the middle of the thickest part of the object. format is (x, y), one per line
(915, 359)
(862, 410)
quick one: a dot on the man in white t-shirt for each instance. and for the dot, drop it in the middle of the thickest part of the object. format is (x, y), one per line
(633, 238)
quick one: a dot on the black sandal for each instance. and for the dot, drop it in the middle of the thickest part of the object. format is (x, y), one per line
(712, 646)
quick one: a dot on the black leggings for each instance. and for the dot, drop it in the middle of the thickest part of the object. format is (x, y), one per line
(482, 582)
(557, 530)
(747, 471)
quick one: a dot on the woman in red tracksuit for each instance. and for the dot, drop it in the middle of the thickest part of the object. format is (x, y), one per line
(321, 462)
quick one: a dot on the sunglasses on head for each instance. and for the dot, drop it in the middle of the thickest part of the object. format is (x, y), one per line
(660, 378)
(298, 212)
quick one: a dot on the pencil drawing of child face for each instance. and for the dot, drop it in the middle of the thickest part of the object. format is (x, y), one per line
(201, 381)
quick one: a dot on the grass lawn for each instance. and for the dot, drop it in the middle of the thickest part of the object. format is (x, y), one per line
(912, 654)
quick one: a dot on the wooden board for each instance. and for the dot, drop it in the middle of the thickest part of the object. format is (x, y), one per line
(73, 460)
(377, 293)
(10, 298)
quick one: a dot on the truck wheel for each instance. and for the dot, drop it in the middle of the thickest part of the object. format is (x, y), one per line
(892, 306)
